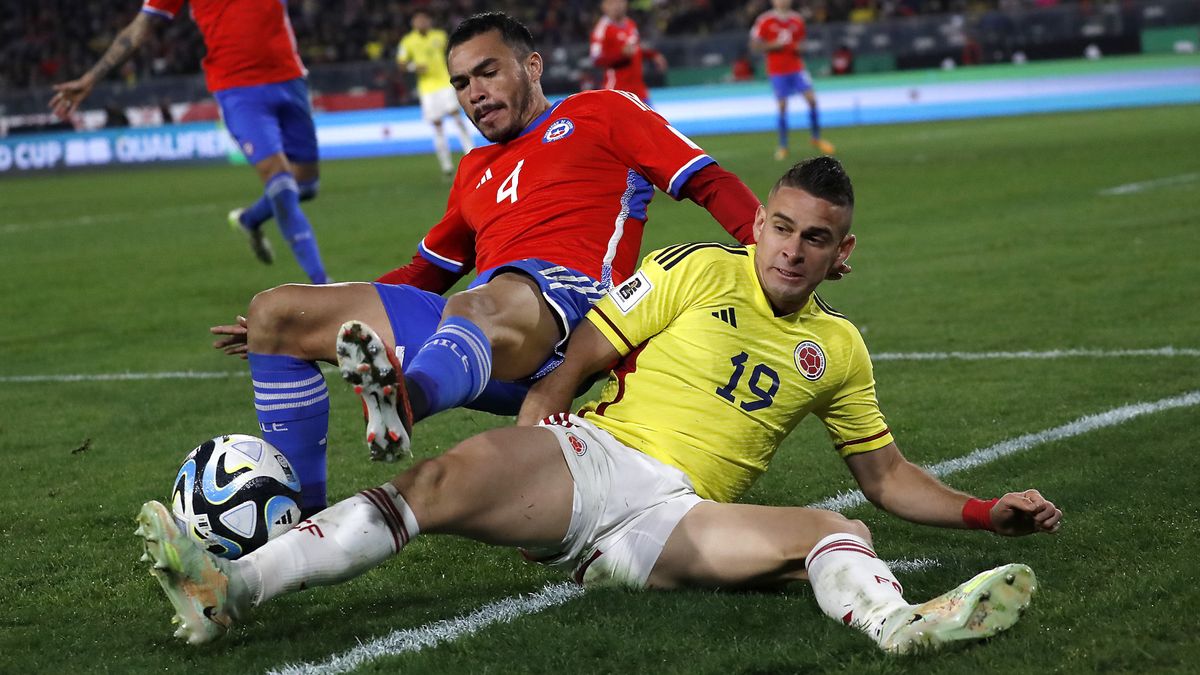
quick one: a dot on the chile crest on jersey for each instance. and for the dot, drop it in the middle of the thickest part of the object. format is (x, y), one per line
(558, 130)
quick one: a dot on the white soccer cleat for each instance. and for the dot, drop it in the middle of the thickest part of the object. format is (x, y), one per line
(989, 603)
(258, 241)
(196, 582)
(366, 363)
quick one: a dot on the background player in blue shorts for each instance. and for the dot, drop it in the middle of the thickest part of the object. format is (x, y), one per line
(254, 72)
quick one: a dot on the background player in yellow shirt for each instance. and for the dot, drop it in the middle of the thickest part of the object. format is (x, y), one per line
(423, 52)
(723, 349)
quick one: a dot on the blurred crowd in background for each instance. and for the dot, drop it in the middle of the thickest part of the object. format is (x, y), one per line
(54, 40)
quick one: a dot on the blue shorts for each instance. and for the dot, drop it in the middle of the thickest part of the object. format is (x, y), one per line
(266, 119)
(791, 83)
(415, 314)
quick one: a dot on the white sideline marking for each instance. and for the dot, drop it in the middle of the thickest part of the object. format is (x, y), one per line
(882, 356)
(415, 639)
(914, 565)
(1130, 188)
(847, 500)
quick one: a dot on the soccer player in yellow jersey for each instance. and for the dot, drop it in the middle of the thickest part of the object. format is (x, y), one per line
(719, 350)
(423, 52)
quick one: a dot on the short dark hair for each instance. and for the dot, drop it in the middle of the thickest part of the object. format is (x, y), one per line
(513, 32)
(821, 177)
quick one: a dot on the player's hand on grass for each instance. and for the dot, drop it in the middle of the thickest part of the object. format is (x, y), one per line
(1028, 512)
(234, 342)
(68, 95)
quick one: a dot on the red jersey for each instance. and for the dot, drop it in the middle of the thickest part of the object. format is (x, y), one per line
(622, 71)
(769, 27)
(572, 189)
(249, 42)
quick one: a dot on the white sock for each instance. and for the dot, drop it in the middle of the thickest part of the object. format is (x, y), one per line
(337, 544)
(442, 148)
(852, 585)
(464, 136)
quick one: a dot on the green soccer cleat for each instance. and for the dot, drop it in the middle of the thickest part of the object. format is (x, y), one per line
(196, 582)
(258, 241)
(982, 607)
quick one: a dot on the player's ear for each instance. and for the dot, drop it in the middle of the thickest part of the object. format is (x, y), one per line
(533, 66)
(760, 219)
(845, 248)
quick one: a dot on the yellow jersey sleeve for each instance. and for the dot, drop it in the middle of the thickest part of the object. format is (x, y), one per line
(852, 417)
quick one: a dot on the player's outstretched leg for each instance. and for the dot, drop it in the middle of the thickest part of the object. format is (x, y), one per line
(982, 607)
(254, 235)
(377, 377)
(197, 583)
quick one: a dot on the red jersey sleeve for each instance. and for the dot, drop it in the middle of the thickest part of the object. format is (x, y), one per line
(649, 145)
(451, 243)
(167, 9)
(727, 198)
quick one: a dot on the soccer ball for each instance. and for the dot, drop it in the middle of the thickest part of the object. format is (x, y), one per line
(235, 492)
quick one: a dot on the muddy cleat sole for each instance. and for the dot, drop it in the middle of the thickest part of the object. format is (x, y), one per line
(823, 145)
(194, 580)
(375, 372)
(987, 604)
(258, 241)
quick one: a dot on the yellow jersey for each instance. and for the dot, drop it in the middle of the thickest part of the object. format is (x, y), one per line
(428, 50)
(711, 381)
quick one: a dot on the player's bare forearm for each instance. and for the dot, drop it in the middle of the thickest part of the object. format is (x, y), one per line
(127, 42)
(68, 95)
(904, 490)
(588, 352)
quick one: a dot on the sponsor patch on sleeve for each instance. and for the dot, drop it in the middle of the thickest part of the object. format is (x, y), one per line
(631, 292)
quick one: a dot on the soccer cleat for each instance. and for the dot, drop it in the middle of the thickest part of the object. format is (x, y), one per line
(982, 607)
(823, 145)
(781, 153)
(196, 582)
(258, 241)
(375, 372)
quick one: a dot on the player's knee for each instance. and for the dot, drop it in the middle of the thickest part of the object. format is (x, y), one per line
(480, 308)
(858, 528)
(836, 523)
(274, 319)
(424, 487)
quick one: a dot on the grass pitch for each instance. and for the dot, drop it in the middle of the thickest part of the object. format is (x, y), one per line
(975, 236)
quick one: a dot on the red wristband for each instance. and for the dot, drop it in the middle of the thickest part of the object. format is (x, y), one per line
(977, 514)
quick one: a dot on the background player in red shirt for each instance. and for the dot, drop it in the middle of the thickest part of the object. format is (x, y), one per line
(550, 215)
(617, 47)
(254, 72)
(780, 32)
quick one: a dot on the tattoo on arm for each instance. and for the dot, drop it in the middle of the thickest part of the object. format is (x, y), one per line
(122, 48)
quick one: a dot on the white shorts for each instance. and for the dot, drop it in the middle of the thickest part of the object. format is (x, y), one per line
(625, 505)
(439, 104)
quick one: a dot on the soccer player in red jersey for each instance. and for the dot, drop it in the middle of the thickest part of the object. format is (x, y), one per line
(551, 215)
(254, 72)
(780, 32)
(616, 47)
